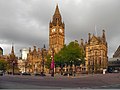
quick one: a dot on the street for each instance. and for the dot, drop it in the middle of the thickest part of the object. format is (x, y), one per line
(96, 81)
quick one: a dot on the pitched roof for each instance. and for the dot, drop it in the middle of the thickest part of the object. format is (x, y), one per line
(117, 52)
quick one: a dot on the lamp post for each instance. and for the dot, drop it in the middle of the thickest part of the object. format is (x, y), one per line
(61, 68)
(65, 67)
(93, 67)
(93, 62)
(73, 69)
(42, 70)
(25, 63)
(80, 61)
(13, 63)
(52, 63)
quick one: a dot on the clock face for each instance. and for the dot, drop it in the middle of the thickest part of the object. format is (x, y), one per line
(53, 30)
(61, 30)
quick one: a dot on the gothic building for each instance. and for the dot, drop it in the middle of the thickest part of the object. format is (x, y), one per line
(36, 60)
(12, 61)
(56, 32)
(96, 53)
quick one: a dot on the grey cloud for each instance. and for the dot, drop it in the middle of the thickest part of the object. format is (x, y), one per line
(26, 22)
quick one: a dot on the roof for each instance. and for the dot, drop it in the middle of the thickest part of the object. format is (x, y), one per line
(113, 59)
(117, 52)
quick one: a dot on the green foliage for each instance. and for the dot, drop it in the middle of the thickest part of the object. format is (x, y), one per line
(3, 65)
(71, 54)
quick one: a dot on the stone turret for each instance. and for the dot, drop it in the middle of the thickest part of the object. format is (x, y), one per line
(103, 36)
(89, 37)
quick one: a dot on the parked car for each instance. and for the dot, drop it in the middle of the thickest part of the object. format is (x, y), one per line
(66, 73)
(26, 73)
(115, 71)
(39, 74)
(17, 73)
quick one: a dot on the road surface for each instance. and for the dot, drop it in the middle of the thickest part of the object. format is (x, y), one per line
(96, 81)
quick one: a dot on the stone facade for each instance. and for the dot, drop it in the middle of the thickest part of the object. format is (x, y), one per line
(21, 65)
(96, 53)
(56, 32)
(36, 60)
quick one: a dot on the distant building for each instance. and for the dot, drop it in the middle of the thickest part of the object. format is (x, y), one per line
(22, 61)
(117, 53)
(114, 63)
(96, 53)
(1, 51)
(24, 53)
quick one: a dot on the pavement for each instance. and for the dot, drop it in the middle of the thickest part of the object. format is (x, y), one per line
(82, 81)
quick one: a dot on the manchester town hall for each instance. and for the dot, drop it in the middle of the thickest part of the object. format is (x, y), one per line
(35, 58)
(95, 49)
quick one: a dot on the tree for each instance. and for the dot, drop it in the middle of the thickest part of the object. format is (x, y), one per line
(3, 65)
(71, 54)
(75, 54)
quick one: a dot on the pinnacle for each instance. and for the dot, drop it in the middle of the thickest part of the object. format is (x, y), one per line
(57, 12)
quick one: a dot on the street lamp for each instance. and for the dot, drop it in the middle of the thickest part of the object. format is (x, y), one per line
(93, 67)
(52, 63)
(93, 61)
(42, 71)
(25, 63)
(61, 68)
(65, 67)
(73, 69)
(13, 64)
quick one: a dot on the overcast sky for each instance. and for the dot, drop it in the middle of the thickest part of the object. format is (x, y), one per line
(26, 22)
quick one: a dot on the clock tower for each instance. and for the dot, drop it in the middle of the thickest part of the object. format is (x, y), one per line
(56, 32)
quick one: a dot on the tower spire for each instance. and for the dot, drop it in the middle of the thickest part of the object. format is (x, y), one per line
(57, 12)
(56, 31)
(89, 37)
(12, 51)
(82, 42)
(57, 17)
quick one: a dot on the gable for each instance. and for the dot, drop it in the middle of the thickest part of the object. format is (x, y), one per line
(94, 40)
